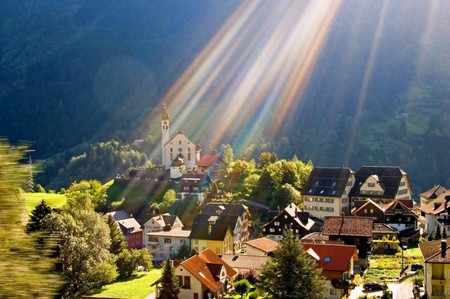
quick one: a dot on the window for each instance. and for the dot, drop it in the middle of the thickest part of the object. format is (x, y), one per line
(402, 191)
(327, 259)
(365, 211)
(167, 240)
(388, 218)
(171, 156)
(316, 183)
(371, 211)
(333, 184)
(217, 249)
(179, 141)
(402, 183)
(371, 185)
(344, 200)
(189, 156)
(171, 149)
(187, 282)
(272, 230)
(276, 223)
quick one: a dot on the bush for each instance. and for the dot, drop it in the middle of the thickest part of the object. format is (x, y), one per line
(242, 286)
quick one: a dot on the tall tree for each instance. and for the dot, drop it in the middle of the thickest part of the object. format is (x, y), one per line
(227, 153)
(36, 221)
(291, 273)
(117, 238)
(24, 271)
(84, 245)
(86, 195)
(170, 285)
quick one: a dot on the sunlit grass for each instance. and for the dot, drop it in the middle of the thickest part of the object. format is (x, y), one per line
(137, 287)
(31, 200)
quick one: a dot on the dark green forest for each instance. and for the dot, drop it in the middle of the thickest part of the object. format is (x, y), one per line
(81, 80)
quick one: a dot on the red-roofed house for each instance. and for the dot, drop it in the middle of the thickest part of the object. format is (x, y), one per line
(212, 165)
(336, 262)
(205, 275)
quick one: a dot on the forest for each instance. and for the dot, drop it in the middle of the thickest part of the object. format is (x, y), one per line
(81, 80)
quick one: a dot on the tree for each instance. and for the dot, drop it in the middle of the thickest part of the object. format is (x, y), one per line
(117, 238)
(36, 221)
(242, 286)
(86, 195)
(170, 284)
(129, 259)
(227, 154)
(291, 273)
(284, 196)
(183, 253)
(25, 272)
(84, 242)
(266, 158)
(169, 199)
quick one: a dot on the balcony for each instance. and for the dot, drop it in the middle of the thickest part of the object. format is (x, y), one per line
(152, 241)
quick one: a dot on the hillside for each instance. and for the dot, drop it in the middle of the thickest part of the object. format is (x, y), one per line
(376, 91)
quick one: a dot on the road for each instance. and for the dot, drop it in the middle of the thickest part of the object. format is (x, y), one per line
(400, 291)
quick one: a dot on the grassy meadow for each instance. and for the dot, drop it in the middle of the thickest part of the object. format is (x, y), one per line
(31, 200)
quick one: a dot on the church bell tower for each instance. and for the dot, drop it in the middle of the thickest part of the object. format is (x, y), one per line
(165, 133)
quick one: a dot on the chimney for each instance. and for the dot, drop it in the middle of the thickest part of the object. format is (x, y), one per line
(443, 247)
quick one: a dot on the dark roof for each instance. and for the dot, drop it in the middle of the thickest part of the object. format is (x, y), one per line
(437, 206)
(118, 215)
(397, 204)
(201, 226)
(169, 219)
(383, 228)
(389, 176)
(327, 181)
(432, 251)
(348, 226)
(227, 209)
(195, 180)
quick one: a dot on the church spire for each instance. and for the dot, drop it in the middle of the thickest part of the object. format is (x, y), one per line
(165, 115)
(165, 131)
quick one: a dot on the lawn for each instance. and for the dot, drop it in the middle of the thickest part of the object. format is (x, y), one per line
(53, 200)
(137, 287)
(388, 267)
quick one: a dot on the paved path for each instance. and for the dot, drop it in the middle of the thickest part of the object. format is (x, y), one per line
(399, 291)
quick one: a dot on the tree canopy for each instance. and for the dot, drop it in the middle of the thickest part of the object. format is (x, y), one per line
(291, 273)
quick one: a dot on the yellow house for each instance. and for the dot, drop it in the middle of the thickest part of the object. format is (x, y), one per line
(211, 232)
(436, 257)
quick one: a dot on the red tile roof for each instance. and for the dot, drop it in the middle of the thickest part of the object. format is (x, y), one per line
(348, 226)
(264, 244)
(207, 160)
(333, 257)
(205, 266)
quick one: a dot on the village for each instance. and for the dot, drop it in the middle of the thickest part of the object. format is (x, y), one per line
(347, 217)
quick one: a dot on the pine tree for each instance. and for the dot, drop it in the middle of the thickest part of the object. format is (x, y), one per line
(438, 233)
(170, 285)
(117, 238)
(35, 222)
(291, 273)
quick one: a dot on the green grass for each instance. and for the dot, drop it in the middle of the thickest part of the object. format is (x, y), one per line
(53, 200)
(137, 287)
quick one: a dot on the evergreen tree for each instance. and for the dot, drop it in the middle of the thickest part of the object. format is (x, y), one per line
(117, 238)
(36, 221)
(25, 272)
(291, 273)
(170, 285)
(227, 153)
(438, 233)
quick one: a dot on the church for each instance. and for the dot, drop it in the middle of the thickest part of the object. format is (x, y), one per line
(179, 154)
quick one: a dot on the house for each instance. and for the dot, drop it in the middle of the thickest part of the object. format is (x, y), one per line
(261, 246)
(434, 210)
(326, 191)
(178, 152)
(129, 227)
(194, 186)
(385, 239)
(132, 231)
(213, 232)
(212, 165)
(238, 216)
(436, 258)
(382, 184)
(244, 263)
(399, 216)
(370, 209)
(336, 262)
(205, 275)
(431, 194)
(159, 223)
(292, 218)
(165, 244)
(352, 230)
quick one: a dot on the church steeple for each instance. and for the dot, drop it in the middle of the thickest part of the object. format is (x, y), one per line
(165, 132)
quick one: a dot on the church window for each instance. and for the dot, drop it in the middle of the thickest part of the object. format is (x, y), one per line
(189, 149)
(179, 142)
(189, 156)
(171, 156)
